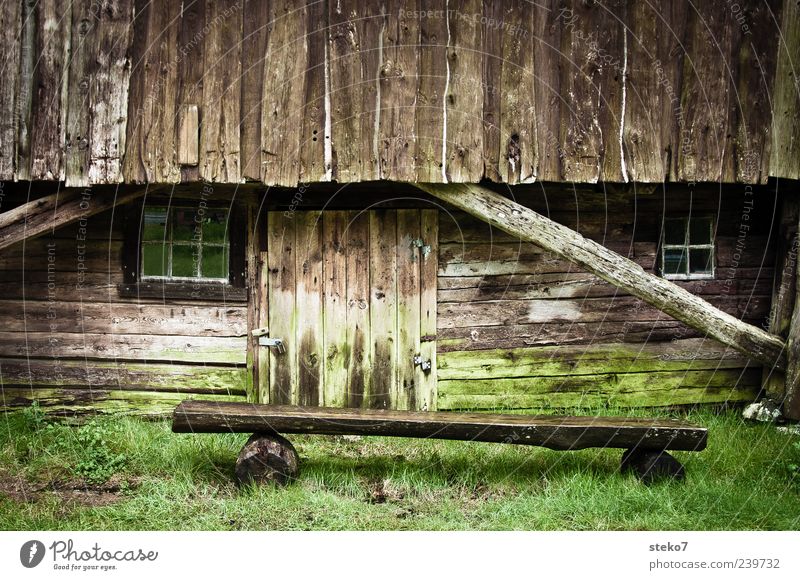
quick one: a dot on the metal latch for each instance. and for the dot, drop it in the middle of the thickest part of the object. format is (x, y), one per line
(420, 362)
(277, 343)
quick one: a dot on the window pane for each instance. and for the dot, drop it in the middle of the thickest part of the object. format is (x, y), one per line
(154, 260)
(700, 231)
(155, 223)
(184, 226)
(215, 262)
(214, 226)
(675, 231)
(700, 261)
(184, 261)
(674, 261)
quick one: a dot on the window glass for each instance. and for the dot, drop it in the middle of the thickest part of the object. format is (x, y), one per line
(180, 242)
(699, 260)
(183, 225)
(699, 231)
(183, 261)
(688, 257)
(215, 225)
(215, 261)
(674, 261)
(154, 260)
(675, 231)
(155, 224)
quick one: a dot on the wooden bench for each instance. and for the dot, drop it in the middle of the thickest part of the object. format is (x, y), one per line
(267, 456)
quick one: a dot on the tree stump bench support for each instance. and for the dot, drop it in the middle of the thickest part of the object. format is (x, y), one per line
(268, 457)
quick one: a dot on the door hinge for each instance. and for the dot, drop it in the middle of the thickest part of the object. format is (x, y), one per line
(423, 364)
(276, 343)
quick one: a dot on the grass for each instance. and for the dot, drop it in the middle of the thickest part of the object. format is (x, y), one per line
(124, 473)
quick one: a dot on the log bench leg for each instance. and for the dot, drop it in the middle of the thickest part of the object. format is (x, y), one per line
(649, 465)
(267, 458)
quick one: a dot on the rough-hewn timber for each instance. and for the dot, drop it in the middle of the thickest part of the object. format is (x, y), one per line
(553, 432)
(670, 298)
(349, 91)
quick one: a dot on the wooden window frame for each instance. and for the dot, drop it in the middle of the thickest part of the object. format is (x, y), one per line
(190, 243)
(184, 289)
(687, 246)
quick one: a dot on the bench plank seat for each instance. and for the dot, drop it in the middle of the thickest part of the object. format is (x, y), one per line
(552, 432)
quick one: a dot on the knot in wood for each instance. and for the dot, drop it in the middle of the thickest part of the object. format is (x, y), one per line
(84, 26)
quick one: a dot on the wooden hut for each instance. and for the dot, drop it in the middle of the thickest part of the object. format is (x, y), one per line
(439, 205)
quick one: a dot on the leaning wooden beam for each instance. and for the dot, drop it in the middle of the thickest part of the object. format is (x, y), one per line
(623, 273)
(59, 209)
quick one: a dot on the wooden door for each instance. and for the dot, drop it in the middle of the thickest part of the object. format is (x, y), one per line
(352, 295)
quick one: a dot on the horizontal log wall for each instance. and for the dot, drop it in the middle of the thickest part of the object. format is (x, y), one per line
(508, 90)
(520, 328)
(72, 340)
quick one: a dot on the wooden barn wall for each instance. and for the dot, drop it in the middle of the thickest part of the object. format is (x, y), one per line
(520, 328)
(516, 327)
(512, 91)
(71, 340)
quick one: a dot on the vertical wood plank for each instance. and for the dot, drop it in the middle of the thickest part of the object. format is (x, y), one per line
(313, 135)
(430, 93)
(219, 129)
(426, 391)
(151, 131)
(262, 356)
(492, 73)
(10, 40)
(255, 279)
(336, 347)
(383, 306)
(408, 308)
(254, 46)
(191, 77)
(785, 148)
(706, 98)
(784, 289)
(464, 121)
(109, 90)
(49, 89)
(77, 134)
(309, 337)
(24, 106)
(612, 40)
(791, 405)
(581, 139)
(358, 338)
(284, 90)
(518, 155)
(398, 79)
(756, 60)
(375, 21)
(672, 53)
(547, 82)
(642, 136)
(347, 84)
(281, 241)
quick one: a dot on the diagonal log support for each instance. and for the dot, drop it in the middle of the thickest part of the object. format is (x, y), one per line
(623, 273)
(59, 209)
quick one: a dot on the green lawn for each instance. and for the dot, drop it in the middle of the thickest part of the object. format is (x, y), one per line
(125, 473)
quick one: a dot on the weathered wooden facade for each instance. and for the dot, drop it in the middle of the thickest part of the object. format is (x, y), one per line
(297, 133)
